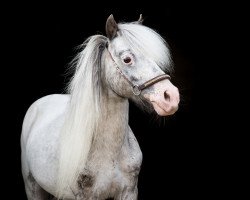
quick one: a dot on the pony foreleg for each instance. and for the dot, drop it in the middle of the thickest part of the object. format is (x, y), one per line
(34, 191)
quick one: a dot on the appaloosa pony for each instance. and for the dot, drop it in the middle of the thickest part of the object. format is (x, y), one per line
(79, 145)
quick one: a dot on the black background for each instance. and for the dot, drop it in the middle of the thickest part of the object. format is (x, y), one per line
(183, 155)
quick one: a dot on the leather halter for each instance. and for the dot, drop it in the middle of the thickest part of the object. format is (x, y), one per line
(138, 88)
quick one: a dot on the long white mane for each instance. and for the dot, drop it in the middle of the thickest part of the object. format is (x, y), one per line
(82, 115)
(84, 109)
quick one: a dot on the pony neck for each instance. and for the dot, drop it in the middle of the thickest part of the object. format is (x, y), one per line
(113, 125)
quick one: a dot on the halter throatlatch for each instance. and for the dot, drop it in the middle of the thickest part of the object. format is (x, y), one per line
(138, 88)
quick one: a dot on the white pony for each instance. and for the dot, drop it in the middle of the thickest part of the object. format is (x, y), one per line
(79, 145)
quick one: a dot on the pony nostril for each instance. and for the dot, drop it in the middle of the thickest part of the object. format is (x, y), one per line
(166, 96)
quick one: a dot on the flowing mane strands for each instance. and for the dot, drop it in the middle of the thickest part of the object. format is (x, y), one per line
(83, 113)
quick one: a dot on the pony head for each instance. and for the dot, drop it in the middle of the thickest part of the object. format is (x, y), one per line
(137, 55)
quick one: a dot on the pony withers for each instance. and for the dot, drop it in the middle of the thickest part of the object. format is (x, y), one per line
(79, 145)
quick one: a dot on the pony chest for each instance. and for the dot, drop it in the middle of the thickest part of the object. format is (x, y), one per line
(102, 183)
(131, 156)
(107, 182)
(112, 175)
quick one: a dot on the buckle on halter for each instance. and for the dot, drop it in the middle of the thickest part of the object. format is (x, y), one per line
(136, 90)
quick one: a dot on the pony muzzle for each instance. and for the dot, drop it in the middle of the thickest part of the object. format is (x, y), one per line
(164, 98)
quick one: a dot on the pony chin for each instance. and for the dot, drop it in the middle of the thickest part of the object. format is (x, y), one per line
(163, 112)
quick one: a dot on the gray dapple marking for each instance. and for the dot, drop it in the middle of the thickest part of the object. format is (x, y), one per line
(79, 145)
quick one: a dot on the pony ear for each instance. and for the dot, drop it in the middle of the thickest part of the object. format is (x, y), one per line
(140, 20)
(111, 27)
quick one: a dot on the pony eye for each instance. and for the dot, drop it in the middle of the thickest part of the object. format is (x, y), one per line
(127, 60)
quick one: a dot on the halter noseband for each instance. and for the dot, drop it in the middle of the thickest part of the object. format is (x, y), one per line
(138, 88)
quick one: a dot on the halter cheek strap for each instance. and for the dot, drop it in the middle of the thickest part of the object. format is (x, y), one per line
(138, 88)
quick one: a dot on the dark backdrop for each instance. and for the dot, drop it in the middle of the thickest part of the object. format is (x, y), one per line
(180, 156)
